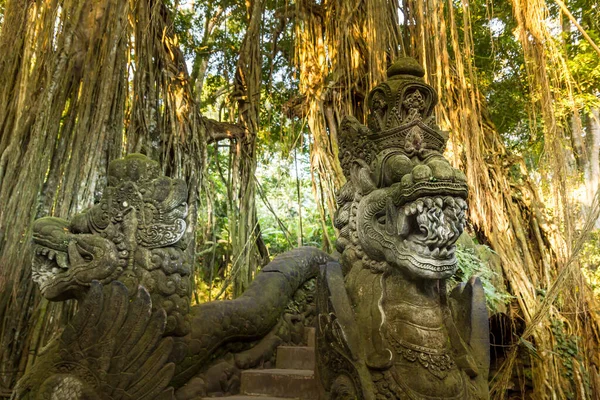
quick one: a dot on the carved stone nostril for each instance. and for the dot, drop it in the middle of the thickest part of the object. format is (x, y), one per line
(407, 180)
(421, 173)
(441, 170)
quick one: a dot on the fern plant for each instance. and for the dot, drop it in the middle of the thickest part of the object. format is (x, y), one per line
(469, 264)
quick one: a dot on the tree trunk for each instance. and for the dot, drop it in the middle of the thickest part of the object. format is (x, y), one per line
(592, 172)
(66, 101)
(243, 223)
(213, 18)
(57, 134)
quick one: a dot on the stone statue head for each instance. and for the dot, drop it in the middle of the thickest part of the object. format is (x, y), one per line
(134, 235)
(403, 205)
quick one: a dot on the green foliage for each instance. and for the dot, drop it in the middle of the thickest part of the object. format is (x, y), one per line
(568, 349)
(212, 237)
(583, 60)
(469, 264)
(584, 64)
(590, 261)
(501, 75)
(276, 182)
(278, 206)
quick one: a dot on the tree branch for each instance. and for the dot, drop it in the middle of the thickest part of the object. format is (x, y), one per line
(587, 37)
(216, 130)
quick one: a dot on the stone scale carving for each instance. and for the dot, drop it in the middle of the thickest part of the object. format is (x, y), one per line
(387, 328)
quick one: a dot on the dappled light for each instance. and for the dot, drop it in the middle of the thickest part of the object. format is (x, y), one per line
(248, 104)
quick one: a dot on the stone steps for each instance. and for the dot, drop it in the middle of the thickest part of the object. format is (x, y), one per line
(296, 357)
(287, 383)
(293, 377)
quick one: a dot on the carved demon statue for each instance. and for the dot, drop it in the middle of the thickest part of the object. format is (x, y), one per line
(387, 328)
(135, 335)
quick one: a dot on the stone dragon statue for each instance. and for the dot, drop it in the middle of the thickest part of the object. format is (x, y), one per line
(387, 328)
(136, 335)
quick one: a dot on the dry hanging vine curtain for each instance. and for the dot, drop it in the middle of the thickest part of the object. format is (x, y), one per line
(67, 110)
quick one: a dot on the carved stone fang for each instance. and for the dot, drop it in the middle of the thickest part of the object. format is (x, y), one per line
(439, 221)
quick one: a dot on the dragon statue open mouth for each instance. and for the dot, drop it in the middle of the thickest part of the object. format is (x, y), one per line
(50, 251)
(65, 264)
(404, 202)
(429, 227)
(132, 235)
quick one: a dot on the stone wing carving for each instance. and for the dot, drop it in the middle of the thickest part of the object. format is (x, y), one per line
(112, 349)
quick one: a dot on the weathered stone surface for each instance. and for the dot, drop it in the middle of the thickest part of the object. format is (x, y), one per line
(310, 336)
(387, 328)
(247, 318)
(296, 357)
(133, 235)
(299, 384)
(113, 346)
(247, 398)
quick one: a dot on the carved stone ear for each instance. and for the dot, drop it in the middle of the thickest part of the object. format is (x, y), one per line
(360, 175)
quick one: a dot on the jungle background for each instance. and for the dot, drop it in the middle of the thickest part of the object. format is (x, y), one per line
(243, 101)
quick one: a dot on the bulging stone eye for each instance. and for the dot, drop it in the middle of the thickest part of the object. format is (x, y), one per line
(441, 169)
(421, 172)
(382, 219)
(395, 168)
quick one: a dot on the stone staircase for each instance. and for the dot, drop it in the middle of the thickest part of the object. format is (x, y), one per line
(293, 377)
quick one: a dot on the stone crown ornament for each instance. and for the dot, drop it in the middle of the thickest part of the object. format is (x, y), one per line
(402, 99)
(134, 183)
(400, 115)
